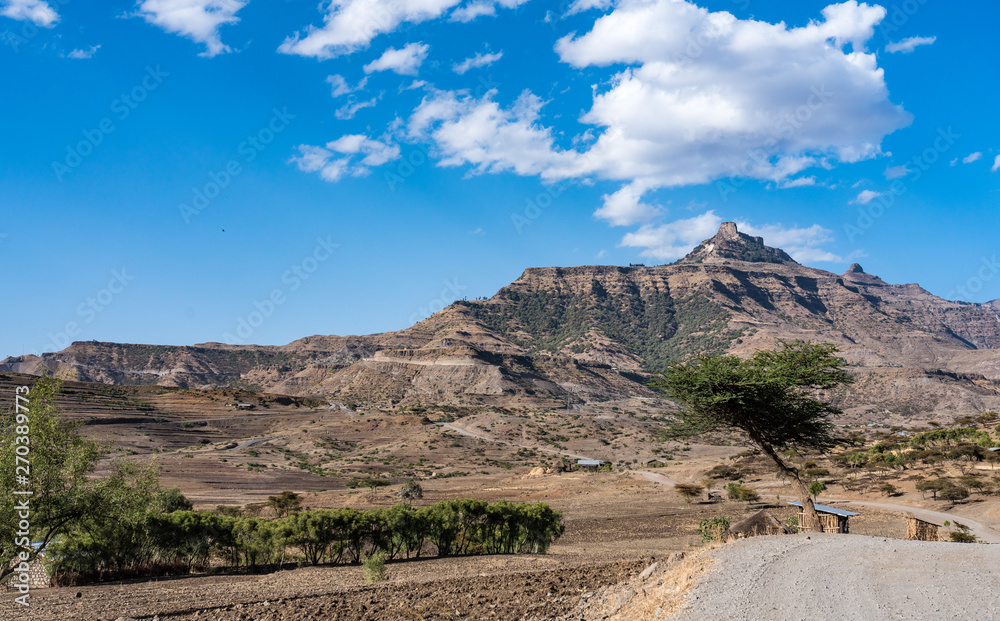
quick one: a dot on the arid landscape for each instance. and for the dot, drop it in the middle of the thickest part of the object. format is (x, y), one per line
(472, 411)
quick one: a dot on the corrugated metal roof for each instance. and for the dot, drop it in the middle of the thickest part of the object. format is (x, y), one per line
(589, 462)
(826, 509)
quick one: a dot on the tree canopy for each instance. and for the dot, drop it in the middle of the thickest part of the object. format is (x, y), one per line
(770, 396)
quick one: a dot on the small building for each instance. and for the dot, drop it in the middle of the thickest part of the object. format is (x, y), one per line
(38, 574)
(589, 463)
(656, 463)
(760, 523)
(921, 530)
(831, 519)
(244, 406)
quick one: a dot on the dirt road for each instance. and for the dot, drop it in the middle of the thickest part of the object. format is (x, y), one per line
(847, 577)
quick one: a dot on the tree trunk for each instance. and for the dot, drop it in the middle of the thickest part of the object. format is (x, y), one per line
(810, 518)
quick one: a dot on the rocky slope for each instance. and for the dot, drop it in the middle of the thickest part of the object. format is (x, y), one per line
(593, 333)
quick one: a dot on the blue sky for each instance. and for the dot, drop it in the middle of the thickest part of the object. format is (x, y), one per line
(173, 171)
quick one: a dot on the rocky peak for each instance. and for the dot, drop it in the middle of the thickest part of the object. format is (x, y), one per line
(730, 244)
(856, 273)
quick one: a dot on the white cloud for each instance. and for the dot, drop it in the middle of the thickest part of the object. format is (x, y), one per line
(703, 96)
(479, 8)
(797, 183)
(352, 154)
(580, 6)
(479, 60)
(802, 243)
(198, 20)
(996, 164)
(341, 87)
(38, 12)
(713, 96)
(895, 172)
(350, 25)
(907, 45)
(351, 108)
(865, 197)
(673, 240)
(404, 61)
(479, 132)
(625, 206)
(83, 54)
(473, 10)
(972, 157)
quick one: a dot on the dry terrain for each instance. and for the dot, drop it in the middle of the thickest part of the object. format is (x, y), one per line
(617, 522)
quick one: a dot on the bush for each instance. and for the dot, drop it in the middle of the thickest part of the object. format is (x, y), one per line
(816, 488)
(888, 489)
(688, 492)
(954, 492)
(374, 568)
(723, 471)
(411, 491)
(713, 529)
(741, 493)
(962, 537)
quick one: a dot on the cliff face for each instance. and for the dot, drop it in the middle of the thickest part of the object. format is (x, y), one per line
(559, 335)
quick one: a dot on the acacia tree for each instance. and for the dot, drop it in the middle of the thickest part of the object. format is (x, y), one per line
(770, 397)
(56, 469)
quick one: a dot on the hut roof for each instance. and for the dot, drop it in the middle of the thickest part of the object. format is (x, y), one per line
(759, 523)
(826, 509)
(913, 517)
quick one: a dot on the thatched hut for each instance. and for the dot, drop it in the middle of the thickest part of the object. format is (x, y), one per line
(920, 530)
(760, 523)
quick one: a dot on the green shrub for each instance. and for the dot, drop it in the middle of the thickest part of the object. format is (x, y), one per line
(741, 493)
(962, 537)
(713, 529)
(374, 568)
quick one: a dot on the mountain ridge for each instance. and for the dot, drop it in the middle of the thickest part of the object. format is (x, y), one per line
(577, 334)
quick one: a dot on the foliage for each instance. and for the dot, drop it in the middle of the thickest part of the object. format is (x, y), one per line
(285, 503)
(769, 397)
(816, 488)
(888, 489)
(943, 487)
(713, 529)
(656, 327)
(370, 482)
(962, 537)
(153, 543)
(948, 436)
(722, 471)
(688, 492)
(57, 464)
(410, 491)
(374, 568)
(741, 493)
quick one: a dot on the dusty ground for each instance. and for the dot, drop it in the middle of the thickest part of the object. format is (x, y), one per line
(847, 577)
(615, 522)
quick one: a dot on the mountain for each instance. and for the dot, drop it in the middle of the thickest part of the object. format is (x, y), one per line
(595, 333)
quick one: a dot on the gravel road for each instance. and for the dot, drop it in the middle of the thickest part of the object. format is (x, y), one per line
(827, 576)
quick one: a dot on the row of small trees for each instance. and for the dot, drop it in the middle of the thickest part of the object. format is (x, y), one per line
(182, 541)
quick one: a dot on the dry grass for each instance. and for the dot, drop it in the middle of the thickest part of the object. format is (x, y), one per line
(668, 597)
